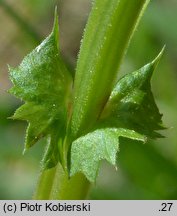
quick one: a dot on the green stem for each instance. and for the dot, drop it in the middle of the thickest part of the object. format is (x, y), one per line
(109, 30)
(44, 184)
(54, 184)
(75, 188)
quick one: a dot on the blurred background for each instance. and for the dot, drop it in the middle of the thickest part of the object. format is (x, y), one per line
(144, 171)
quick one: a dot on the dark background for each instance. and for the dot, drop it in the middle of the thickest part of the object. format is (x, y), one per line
(144, 171)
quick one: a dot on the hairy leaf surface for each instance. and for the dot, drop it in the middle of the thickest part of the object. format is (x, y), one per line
(87, 151)
(43, 82)
(132, 105)
(131, 112)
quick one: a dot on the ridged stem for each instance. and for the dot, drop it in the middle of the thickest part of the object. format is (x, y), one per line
(108, 32)
(110, 27)
(54, 184)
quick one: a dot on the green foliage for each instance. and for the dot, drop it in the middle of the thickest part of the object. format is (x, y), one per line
(131, 104)
(100, 113)
(106, 38)
(43, 82)
(87, 151)
(131, 112)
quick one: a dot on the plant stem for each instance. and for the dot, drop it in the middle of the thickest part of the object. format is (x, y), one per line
(75, 188)
(109, 30)
(54, 184)
(44, 184)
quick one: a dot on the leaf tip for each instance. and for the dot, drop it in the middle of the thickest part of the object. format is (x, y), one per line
(24, 151)
(55, 29)
(150, 67)
(157, 59)
(10, 71)
(11, 117)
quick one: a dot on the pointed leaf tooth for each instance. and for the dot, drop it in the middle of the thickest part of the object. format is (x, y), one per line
(55, 29)
(131, 112)
(132, 105)
(43, 82)
(158, 58)
(88, 151)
